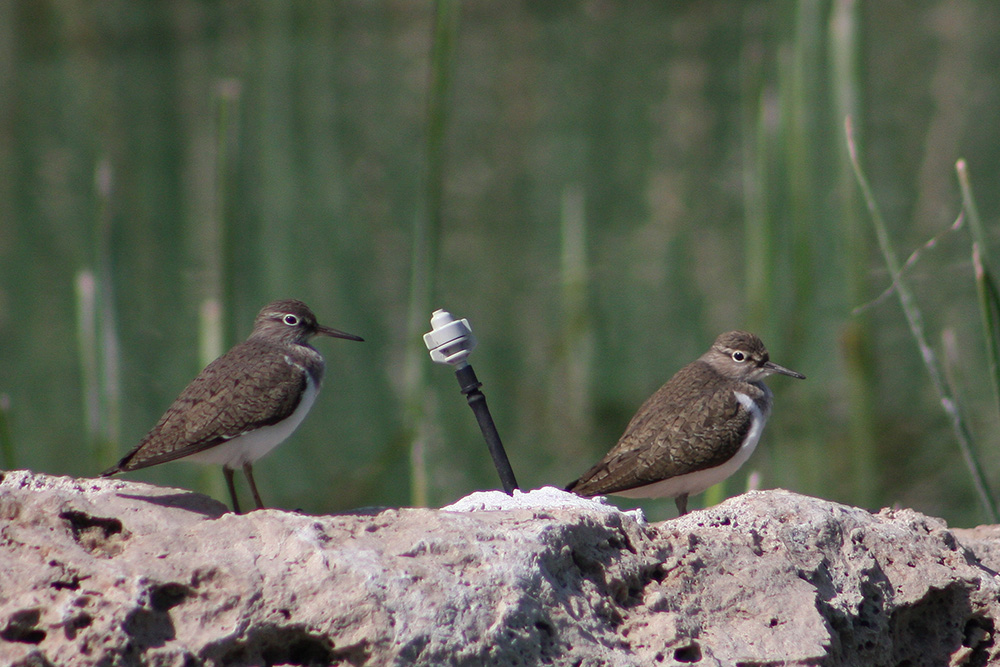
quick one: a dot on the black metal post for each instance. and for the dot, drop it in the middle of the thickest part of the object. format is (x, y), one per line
(470, 385)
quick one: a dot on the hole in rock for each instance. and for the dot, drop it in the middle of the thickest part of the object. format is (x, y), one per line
(22, 627)
(689, 653)
(101, 536)
(281, 645)
(167, 596)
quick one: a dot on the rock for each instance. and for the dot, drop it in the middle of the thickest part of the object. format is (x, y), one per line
(111, 572)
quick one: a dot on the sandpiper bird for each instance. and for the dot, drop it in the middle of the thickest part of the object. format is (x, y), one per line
(696, 430)
(246, 402)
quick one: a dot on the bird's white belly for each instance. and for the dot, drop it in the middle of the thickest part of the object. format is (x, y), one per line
(251, 446)
(696, 482)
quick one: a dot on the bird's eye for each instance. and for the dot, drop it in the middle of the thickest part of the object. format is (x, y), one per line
(739, 356)
(291, 320)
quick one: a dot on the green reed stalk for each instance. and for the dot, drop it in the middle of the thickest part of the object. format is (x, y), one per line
(800, 99)
(97, 334)
(856, 336)
(758, 223)
(986, 286)
(989, 308)
(86, 336)
(7, 458)
(426, 241)
(100, 400)
(107, 328)
(229, 95)
(210, 348)
(972, 211)
(217, 248)
(915, 320)
(570, 396)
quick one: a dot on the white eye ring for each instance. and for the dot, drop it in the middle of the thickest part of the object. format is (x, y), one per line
(739, 356)
(290, 320)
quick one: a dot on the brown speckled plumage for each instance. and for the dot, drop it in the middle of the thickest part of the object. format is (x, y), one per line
(258, 383)
(694, 422)
(250, 387)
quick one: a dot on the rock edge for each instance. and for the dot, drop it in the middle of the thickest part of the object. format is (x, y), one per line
(112, 572)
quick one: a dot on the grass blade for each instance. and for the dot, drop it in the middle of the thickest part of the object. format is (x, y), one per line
(989, 308)
(914, 319)
(986, 288)
(972, 212)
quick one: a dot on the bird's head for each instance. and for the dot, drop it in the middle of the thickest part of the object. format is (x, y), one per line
(740, 355)
(292, 321)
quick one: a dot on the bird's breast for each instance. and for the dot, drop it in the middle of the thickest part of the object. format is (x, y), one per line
(308, 360)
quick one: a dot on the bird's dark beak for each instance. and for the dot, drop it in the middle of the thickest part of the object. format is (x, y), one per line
(337, 333)
(775, 368)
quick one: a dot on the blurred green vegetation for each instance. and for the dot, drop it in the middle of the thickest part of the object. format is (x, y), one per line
(600, 187)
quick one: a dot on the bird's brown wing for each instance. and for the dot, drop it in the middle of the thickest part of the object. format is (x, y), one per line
(238, 392)
(679, 429)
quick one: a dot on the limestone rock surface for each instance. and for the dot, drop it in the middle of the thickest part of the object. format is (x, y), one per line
(105, 572)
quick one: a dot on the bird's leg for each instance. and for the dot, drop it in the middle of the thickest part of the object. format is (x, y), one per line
(228, 472)
(248, 471)
(682, 504)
